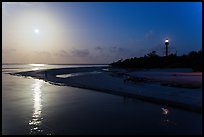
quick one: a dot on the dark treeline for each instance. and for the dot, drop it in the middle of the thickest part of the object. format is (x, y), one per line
(152, 60)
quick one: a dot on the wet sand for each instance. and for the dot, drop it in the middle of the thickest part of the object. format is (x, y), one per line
(113, 81)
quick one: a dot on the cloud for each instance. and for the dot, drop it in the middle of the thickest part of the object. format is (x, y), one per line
(118, 50)
(98, 48)
(62, 53)
(119, 53)
(73, 53)
(43, 53)
(81, 52)
(100, 51)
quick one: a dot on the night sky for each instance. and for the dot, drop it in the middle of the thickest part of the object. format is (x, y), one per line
(98, 32)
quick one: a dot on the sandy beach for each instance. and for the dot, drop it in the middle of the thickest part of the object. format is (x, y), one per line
(174, 88)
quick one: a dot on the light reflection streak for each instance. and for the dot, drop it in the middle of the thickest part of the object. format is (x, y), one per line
(166, 121)
(165, 111)
(36, 120)
(35, 68)
(37, 65)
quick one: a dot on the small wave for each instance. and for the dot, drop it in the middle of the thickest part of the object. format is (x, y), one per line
(77, 74)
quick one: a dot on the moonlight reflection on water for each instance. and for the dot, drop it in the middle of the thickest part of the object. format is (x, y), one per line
(36, 121)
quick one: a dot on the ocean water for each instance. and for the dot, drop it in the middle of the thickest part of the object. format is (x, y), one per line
(32, 106)
(27, 67)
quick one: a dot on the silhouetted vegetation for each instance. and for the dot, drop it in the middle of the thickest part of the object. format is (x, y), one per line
(152, 60)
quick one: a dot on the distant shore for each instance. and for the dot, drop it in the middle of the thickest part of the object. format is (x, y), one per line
(177, 88)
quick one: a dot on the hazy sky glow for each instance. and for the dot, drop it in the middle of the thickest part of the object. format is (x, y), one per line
(97, 32)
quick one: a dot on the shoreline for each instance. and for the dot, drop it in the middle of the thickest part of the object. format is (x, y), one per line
(112, 82)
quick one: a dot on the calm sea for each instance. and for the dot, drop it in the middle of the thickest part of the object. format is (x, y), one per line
(32, 106)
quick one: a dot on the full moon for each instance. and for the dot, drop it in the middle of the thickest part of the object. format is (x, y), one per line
(36, 31)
